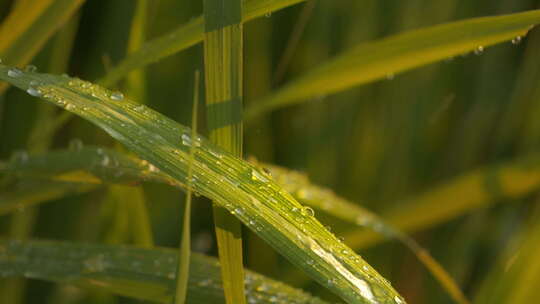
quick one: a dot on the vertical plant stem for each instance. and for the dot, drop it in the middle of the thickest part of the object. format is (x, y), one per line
(223, 78)
(185, 244)
(136, 84)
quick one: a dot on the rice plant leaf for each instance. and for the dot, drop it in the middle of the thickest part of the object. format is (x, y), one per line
(26, 29)
(240, 187)
(146, 274)
(472, 190)
(376, 60)
(223, 58)
(86, 164)
(325, 199)
(184, 37)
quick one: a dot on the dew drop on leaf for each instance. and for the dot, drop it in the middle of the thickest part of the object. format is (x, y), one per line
(33, 91)
(117, 96)
(14, 73)
(517, 40)
(479, 50)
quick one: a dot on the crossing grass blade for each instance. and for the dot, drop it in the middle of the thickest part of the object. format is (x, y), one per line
(376, 60)
(262, 205)
(185, 242)
(184, 37)
(146, 274)
(27, 28)
(223, 65)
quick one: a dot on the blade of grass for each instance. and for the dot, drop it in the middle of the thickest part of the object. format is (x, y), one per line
(324, 199)
(230, 182)
(376, 60)
(472, 190)
(134, 272)
(136, 84)
(185, 244)
(86, 164)
(25, 31)
(184, 37)
(223, 60)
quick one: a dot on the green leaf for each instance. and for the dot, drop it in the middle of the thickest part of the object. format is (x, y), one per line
(146, 274)
(376, 60)
(28, 27)
(472, 190)
(236, 185)
(184, 37)
(223, 67)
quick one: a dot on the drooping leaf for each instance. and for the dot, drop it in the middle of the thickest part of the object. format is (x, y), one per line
(238, 186)
(376, 60)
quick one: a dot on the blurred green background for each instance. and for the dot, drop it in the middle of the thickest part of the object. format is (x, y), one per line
(376, 144)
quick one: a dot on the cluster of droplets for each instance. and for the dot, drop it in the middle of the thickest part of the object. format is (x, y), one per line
(188, 141)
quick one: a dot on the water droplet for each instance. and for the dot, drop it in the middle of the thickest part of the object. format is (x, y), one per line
(268, 15)
(75, 144)
(30, 68)
(257, 176)
(390, 76)
(186, 140)
(307, 211)
(517, 40)
(33, 91)
(479, 50)
(117, 96)
(14, 73)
